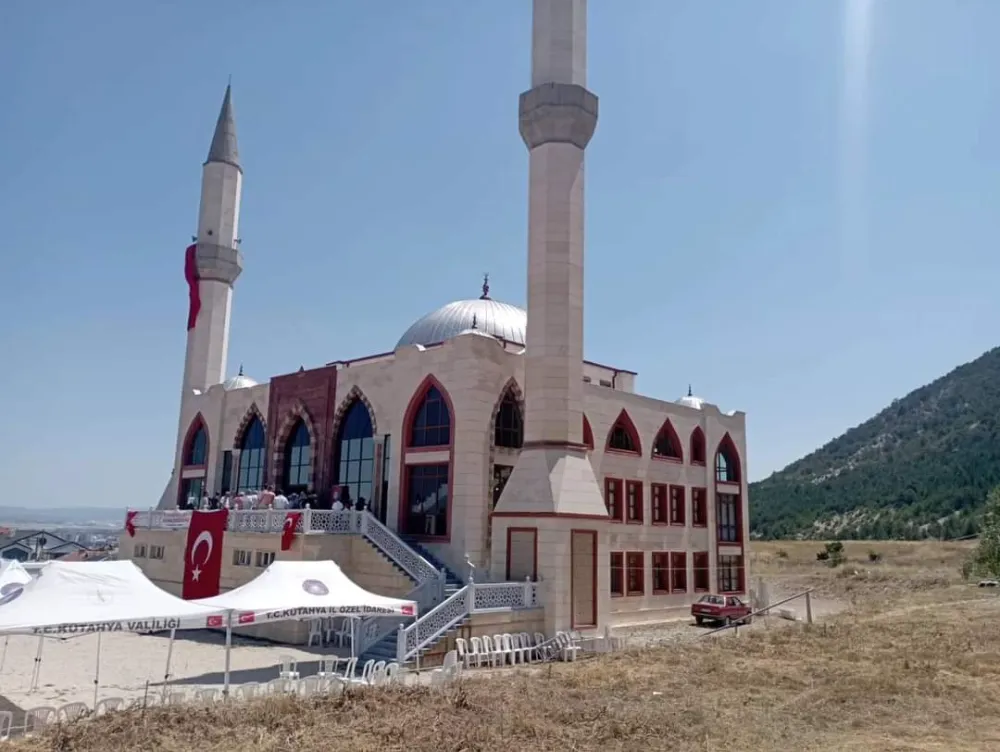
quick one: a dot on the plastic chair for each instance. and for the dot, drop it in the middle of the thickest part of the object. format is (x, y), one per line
(108, 705)
(6, 724)
(72, 711)
(289, 668)
(176, 698)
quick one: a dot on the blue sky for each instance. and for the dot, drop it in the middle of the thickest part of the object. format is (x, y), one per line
(798, 233)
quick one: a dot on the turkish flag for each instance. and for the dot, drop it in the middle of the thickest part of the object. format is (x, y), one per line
(288, 533)
(203, 554)
(130, 522)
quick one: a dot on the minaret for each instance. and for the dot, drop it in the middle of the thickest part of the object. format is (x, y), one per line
(553, 475)
(217, 260)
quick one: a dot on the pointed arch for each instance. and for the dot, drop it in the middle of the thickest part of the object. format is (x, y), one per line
(194, 451)
(354, 450)
(667, 444)
(727, 462)
(355, 394)
(429, 415)
(588, 434)
(623, 436)
(297, 415)
(697, 446)
(507, 420)
(252, 413)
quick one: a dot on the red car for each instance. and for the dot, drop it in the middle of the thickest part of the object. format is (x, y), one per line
(721, 609)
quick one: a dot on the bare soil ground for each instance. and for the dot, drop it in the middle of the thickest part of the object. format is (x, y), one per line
(910, 662)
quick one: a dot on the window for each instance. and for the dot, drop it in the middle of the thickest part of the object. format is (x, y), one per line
(701, 575)
(728, 518)
(730, 571)
(727, 462)
(658, 503)
(197, 449)
(623, 436)
(227, 471)
(604, 382)
(677, 516)
(635, 573)
(617, 574)
(667, 445)
(155, 552)
(501, 474)
(698, 446)
(354, 458)
(509, 429)
(431, 425)
(633, 502)
(613, 498)
(699, 507)
(588, 434)
(250, 475)
(426, 507)
(242, 558)
(678, 572)
(139, 552)
(191, 492)
(661, 573)
(298, 459)
(263, 559)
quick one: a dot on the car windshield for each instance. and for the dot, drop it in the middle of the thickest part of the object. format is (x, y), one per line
(715, 600)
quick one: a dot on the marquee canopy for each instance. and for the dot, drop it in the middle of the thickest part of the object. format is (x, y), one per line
(72, 598)
(305, 590)
(12, 574)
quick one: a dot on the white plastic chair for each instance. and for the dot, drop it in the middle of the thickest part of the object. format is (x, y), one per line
(207, 696)
(71, 711)
(567, 649)
(509, 651)
(479, 653)
(315, 632)
(176, 698)
(279, 686)
(289, 668)
(392, 675)
(38, 718)
(366, 672)
(6, 724)
(378, 674)
(438, 678)
(327, 667)
(501, 653)
(248, 691)
(450, 665)
(109, 705)
(308, 686)
(528, 645)
(350, 668)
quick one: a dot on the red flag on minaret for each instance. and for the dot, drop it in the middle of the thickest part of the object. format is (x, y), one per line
(191, 275)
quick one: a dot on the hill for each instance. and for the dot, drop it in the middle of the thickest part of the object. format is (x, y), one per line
(921, 467)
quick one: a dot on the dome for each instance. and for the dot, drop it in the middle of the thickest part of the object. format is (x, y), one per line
(483, 316)
(239, 381)
(689, 400)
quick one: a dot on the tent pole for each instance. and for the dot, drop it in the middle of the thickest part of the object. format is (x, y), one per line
(97, 670)
(3, 658)
(352, 637)
(229, 646)
(166, 670)
(35, 675)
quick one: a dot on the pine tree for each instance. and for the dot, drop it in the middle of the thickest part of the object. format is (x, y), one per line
(985, 560)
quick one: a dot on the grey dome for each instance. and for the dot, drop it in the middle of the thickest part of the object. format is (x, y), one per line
(486, 316)
(238, 382)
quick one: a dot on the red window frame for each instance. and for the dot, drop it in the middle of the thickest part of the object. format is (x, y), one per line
(727, 584)
(617, 574)
(661, 573)
(635, 564)
(677, 504)
(699, 507)
(613, 498)
(678, 571)
(633, 502)
(658, 507)
(702, 575)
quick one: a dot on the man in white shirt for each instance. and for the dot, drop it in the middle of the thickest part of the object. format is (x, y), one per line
(280, 501)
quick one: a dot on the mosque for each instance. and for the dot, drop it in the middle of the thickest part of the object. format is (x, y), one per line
(490, 446)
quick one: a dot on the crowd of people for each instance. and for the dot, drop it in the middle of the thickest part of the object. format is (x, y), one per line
(271, 498)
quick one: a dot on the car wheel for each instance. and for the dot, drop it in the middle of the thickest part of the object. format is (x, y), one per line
(729, 621)
(699, 621)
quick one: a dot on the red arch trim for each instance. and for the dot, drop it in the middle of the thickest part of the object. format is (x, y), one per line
(196, 423)
(698, 441)
(624, 421)
(668, 431)
(411, 412)
(732, 455)
(588, 433)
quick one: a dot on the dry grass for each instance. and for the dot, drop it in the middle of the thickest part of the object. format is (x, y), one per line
(897, 673)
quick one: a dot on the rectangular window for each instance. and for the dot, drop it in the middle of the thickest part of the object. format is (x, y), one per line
(633, 502)
(139, 552)
(613, 498)
(701, 575)
(263, 559)
(728, 517)
(427, 500)
(635, 573)
(617, 574)
(699, 508)
(156, 552)
(242, 558)
(677, 516)
(658, 503)
(678, 572)
(730, 571)
(227, 471)
(661, 573)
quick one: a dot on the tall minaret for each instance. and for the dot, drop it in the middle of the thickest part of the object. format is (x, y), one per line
(217, 259)
(558, 116)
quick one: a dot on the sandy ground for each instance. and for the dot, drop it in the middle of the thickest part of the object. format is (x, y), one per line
(133, 664)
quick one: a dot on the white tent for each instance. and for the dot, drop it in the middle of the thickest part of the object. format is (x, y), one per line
(13, 577)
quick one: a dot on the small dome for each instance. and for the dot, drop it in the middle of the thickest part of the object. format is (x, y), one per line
(689, 400)
(239, 381)
(483, 316)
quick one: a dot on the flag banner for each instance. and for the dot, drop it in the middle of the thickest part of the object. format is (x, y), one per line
(191, 275)
(203, 554)
(288, 532)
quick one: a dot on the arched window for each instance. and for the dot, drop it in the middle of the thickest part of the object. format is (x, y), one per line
(588, 434)
(698, 446)
(727, 462)
(250, 476)
(298, 459)
(431, 425)
(509, 430)
(197, 447)
(354, 462)
(623, 437)
(667, 444)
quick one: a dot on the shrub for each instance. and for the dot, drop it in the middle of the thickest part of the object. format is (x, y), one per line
(874, 557)
(985, 560)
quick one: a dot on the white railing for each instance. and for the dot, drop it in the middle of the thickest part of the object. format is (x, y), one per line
(375, 628)
(430, 627)
(348, 522)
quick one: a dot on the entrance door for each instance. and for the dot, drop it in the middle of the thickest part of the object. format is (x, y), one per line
(583, 578)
